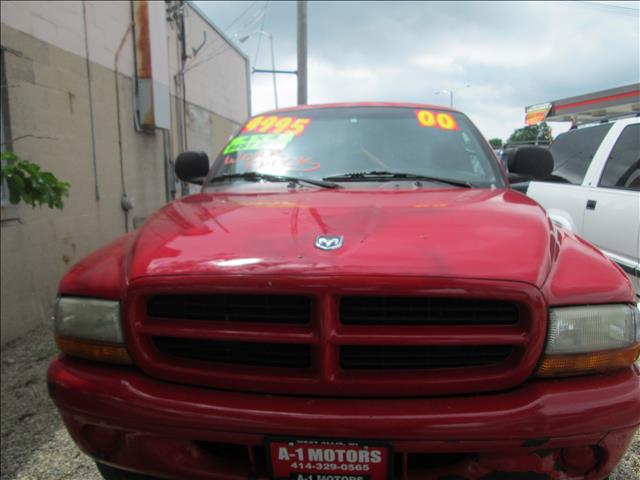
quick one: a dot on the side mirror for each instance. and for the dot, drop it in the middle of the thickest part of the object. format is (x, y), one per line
(529, 163)
(192, 167)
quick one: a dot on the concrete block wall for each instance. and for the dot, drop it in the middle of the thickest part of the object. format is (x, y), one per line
(216, 76)
(48, 97)
(61, 24)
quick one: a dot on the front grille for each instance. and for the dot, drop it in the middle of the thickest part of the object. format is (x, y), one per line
(236, 353)
(425, 311)
(383, 357)
(323, 336)
(290, 309)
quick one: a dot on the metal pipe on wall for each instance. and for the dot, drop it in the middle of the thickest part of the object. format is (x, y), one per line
(170, 189)
(122, 176)
(175, 12)
(91, 122)
(136, 86)
(181, 99)
(177, 81)
(183, 60)
(178, 87)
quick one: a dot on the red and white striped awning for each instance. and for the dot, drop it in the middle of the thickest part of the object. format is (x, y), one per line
(591, 107)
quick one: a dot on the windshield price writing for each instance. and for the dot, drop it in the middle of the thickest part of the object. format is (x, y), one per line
(276, 124)
(441, 120)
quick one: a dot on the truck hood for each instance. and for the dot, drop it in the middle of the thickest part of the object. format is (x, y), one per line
(461, 233)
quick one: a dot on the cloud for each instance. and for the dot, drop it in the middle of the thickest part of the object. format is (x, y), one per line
(440, 64)
(512, 54)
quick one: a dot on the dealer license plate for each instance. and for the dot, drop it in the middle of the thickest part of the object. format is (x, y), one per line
(295, 459)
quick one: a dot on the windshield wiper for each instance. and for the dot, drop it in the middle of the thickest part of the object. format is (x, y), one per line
(257, 176)
(384, 176)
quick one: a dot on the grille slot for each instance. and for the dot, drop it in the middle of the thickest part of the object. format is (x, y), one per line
(425, 311)
(287, 309)
(236, 353)
(312, 336)
(382, 357)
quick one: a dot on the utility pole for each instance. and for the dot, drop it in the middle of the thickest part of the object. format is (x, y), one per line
(301, 72)
(302, 51)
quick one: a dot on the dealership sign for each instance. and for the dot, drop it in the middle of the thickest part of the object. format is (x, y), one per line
(296, 459)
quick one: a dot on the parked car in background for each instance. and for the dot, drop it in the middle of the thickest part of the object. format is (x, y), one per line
(594, 189)
(356, 293)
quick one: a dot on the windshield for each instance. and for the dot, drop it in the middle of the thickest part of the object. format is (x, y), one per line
(333, 142)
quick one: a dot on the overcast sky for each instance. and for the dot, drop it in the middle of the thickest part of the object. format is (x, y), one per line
(511, 54)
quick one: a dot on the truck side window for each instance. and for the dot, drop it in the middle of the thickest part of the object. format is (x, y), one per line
(623, 165)
(573, 151)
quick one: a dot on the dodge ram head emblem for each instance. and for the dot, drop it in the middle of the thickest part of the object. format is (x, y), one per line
(329, 242)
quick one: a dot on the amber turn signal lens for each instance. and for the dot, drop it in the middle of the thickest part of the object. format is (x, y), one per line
(585, 363)
(99, 352)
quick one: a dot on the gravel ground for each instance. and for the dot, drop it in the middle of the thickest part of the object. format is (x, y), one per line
(35, 444)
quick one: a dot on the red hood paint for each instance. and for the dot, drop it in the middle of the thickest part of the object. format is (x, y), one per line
(458, 233)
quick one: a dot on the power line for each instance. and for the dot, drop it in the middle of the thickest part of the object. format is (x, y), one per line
(611, 6)
(261, 15)
(250, 24)
(221, 42)
(215, 42)
(602, 7)
(213, 55)
(266, 6)
(223, 48)
(239, 16)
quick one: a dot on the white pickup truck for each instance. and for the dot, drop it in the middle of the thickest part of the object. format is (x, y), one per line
(594, 189)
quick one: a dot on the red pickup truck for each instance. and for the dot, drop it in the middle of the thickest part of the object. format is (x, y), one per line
(355, 294)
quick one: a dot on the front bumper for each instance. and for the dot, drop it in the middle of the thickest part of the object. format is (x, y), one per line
(124, 418)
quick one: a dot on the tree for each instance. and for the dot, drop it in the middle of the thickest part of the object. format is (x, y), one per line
(495, 143)
(29, 184)
(540, 132)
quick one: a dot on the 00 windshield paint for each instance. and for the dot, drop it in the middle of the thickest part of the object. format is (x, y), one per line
(320, 143)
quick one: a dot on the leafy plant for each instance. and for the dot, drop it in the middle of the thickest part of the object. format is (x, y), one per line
(540, 132)
(495, 142)
(31, 185)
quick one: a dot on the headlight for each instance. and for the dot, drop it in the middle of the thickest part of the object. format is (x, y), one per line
(590, 339)
(90, 328)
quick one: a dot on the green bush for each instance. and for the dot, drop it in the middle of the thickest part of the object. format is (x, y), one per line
(27, 183)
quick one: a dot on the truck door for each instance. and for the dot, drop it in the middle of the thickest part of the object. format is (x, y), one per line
(563, 195)
(612, 208)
